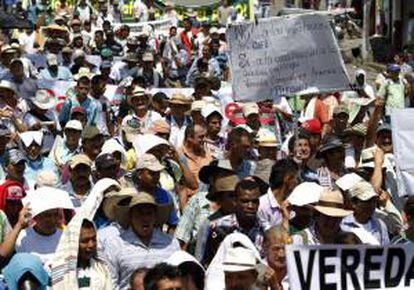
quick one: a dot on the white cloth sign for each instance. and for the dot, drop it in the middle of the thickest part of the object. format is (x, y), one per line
(403, 143)
(283, 56)
(350, 267)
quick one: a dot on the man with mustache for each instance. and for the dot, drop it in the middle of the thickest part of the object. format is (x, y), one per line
(79, 184)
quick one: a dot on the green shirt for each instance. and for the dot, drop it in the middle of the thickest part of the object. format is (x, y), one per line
(393, 94)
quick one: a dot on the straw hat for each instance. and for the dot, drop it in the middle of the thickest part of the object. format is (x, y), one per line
(331, 203)
(180, 99)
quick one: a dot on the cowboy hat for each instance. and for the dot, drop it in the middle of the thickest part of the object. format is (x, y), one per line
(215, 167)
(222, 183)
(115, 204)
(180, 99)
(331, 203)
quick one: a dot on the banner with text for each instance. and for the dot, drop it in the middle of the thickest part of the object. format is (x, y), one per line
(350, 267)
(403, 142)
(283, 56)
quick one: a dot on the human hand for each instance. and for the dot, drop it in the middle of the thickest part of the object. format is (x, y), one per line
(24, 217)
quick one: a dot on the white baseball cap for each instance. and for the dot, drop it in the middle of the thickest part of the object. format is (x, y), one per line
(206, 111)
(74, 124)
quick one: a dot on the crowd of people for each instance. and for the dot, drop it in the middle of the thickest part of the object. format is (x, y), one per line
(172, 184)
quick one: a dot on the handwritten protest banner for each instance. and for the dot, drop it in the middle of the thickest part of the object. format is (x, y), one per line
(284, 55)
(350, 267)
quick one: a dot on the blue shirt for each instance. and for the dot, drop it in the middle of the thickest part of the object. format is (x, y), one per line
(163, 197)
(90, 106)
(63, 74)
(33, 168)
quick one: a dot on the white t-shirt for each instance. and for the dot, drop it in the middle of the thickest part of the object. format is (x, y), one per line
(29, 241)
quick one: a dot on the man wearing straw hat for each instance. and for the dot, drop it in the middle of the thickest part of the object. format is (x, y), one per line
(139, 245)
(329, 212)
(178, 120)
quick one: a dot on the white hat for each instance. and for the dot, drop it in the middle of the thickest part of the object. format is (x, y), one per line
(51, 59)
(74, 124)
(145, 142)
(83, 72)
(348, 181)
(305, 193)
(181, 257)
(221, 30)
(239, 259)
(206, 111)
(197, 105)
(47, 198)
(362, 190)
(213, 30)
(150, 162)
(29, 137)
(43, 100)
(4, 84)
(250, 108)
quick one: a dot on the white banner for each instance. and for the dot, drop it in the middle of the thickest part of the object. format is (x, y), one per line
(350, 267)
(284, 55)
(403, 145)
(160, 26)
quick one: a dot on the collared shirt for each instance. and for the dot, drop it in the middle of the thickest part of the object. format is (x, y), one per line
(225, 225)
(196, 211)
(374, 232)
(63, 74)
(394, 95)
(216, 147)
(177, 133)
(269, 213)
(36, 166)
(246, 168)
(125, 253)
(195, 162)
(91, 107)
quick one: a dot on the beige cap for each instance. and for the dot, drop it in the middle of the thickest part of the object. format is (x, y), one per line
(363, 191)
(80, 159)
(147, 57)
(150, 162)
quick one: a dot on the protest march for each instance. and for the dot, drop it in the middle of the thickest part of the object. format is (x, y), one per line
(206, 145)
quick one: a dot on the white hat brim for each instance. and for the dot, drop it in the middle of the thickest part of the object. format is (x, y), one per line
(333, 212)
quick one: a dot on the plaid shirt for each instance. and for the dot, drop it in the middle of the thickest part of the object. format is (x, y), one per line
(228, 222)
(196, 211)
(125, 253)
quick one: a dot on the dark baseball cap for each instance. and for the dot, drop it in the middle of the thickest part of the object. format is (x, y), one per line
(105, 161)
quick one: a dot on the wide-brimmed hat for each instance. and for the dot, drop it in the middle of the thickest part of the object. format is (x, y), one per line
(138, 92)
(44, 100)
(116, 204)
(331, 203)
(225, 182)
(359, 129)
(215, 167)
(239, 259)
(83, 72)
(7, 85)
(180, 99)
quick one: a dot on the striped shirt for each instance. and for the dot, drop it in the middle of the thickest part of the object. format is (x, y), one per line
(125, 253)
